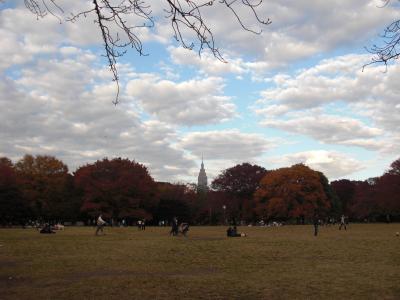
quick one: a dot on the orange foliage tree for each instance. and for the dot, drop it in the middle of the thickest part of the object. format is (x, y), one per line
(294, 192)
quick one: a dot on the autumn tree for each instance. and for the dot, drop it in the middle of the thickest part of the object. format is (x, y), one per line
(46, 185)
(364, 202)
(345, 190)
(394, 168)
(334, 201)
(294, 192)
(119, 188)
(13, 208)
(388, 194)
(5, 161)
(175, 200)
(121, 23)
(221, 208)
(239, 184)
(388, 191)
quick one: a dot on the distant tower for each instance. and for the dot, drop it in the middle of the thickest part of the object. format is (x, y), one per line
(202, 179)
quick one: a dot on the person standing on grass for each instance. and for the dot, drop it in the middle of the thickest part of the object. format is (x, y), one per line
(100, 224)
(342, 222)
(316, 223)
(174, 228)
(143, 226)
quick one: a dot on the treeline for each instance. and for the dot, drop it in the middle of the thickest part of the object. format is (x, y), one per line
(41, 188)
(375, 199)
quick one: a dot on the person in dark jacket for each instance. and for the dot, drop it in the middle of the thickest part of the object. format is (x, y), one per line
(232, 232)
(316, 223)
(174, 227)
(47, 229)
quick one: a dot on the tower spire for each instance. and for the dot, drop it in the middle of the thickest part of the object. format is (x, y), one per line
(202, 179)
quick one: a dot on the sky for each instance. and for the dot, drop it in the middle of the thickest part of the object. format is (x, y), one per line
(296, 93)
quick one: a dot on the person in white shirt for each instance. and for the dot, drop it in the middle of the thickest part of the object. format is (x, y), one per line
(100, 224)
(342, 223)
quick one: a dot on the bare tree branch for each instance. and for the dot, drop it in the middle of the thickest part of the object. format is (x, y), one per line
(112, 16)
(389, 49)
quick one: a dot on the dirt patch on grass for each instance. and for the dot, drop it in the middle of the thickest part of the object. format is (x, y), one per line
(207, 238)
(7, 264)
(128, 273)
(7, 282)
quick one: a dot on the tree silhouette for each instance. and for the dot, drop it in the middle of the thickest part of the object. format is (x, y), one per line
(239, 184)
(13, 207)
(114, 19)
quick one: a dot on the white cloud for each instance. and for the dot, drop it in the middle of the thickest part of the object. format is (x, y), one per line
(225, 144)
(304, 103)
(12, 51)
(53, 109)
(333, 164)
(299, 29)
(191, 102)
(330, 129)
(223, 149)
(207, 63)
(337, 79)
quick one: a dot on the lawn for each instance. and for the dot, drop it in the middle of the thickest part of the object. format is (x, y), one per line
(271, 263)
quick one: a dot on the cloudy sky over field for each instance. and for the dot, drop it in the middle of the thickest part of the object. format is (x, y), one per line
(296, 93)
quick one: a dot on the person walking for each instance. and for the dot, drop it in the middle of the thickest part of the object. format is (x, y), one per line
(342, 223)
(100, 224)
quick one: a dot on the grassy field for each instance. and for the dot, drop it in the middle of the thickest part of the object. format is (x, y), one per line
(271, 263)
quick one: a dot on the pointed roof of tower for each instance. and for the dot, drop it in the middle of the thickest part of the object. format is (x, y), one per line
(202, 179)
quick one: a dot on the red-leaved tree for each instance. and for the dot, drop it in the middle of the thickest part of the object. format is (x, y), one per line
(46, 185)
(239, 183)
(13, 208)
(118, 188)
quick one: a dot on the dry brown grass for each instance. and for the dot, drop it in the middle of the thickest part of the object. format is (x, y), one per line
(271, 263)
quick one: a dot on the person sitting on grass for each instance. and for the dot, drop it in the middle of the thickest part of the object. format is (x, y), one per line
(46, 229)
(184, 228)
(232, 232)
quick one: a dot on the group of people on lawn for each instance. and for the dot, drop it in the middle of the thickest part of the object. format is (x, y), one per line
(176, 229)
(183, 228)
